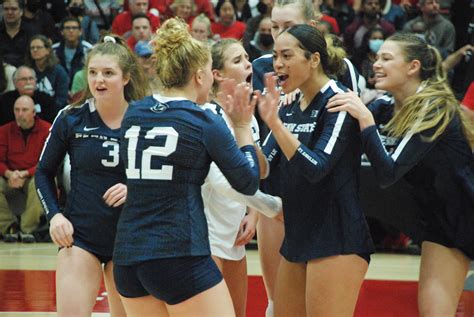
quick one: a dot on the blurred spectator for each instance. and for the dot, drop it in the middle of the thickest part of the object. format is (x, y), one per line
(393, 13)
(228, 26)
(21, 142)
(79, 83)
(340, 10)
(51, 78)
(24, 79)
(144, 53)
(264, 7)
(242, 10)
(57, 9)
(39, 20)
(122, 24)
(14, 34)
(184, 9)
(364, 60)
(6, 76)
(90, 30)
(164, 8)
(201, 29)
(468, 102)
(141, 30)
(103, 13)
(334, 27)
(263, 40)
(439, 31)
(369, 17)
(71, 50)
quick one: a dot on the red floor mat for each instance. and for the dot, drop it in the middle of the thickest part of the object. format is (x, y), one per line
(34, 291)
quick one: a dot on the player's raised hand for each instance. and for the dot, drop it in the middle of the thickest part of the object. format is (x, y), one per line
(268, 103)
(237, 102)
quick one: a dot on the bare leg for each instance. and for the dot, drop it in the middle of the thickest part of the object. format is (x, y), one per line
(442, 274)
(270, 234)
(290, 289)
(78, 277)
(235, 276)
(115, 304)
(333, 285)
(144, 306)
(215, 301)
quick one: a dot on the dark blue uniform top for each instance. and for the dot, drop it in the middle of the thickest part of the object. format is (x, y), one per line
(441, 172)
(167, 146)
(319, 185)
(95, 167)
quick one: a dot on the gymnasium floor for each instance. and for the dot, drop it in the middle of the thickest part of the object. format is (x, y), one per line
(27, 285)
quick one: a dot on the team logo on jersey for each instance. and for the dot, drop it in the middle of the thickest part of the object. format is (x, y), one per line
(159, 107)
(314, 113)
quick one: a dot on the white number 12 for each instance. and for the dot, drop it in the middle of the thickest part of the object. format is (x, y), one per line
(146, 172)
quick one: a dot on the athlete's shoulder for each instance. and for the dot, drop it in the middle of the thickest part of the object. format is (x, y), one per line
(264, 62)
(382, 103)
(332, 87)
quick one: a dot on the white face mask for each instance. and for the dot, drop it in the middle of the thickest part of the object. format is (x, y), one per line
(375, 45)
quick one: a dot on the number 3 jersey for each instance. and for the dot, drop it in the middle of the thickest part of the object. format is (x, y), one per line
(95, 167)
(167, 147)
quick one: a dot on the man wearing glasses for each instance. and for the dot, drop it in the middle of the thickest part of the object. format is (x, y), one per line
(71, 50)
(24, 79)
(14, 34)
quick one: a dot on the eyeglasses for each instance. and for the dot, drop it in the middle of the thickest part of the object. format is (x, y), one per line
(35, 48)
(26, 78)
(71, 27)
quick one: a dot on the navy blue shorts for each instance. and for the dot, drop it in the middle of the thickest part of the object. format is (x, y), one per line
(172, 280)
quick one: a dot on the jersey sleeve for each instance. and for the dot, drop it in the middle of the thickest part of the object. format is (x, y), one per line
(268, 205)
(52, 156)
(390, 168)
(316, 162)
(271, 150)
(239, 166)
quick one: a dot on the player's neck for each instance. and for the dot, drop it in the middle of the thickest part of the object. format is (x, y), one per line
(311, 88)
(181, 93)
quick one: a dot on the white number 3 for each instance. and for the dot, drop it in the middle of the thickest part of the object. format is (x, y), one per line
(113, 153)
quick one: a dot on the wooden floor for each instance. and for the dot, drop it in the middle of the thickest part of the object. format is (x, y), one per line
(16, 258)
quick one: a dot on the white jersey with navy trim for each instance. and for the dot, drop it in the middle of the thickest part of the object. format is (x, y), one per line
(225, 207)
(319, 185)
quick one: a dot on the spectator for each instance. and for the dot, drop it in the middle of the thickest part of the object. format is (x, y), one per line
(263, 40)
(21, 142)
(370, 16)
(201, 28)
(184, 9)
(24, 79)
(340, 10)
(6, 76)
(144, 52)
(102, 11)
(122, 24)
(57, 8)
(242, 10)
(39, 20)
(51, 78)
(264, 7)
(439, 30)
(141, 30)
(71, 50)
(324, 18)
(394, 14)
(228, 26)
(90, 30)
(14, 34)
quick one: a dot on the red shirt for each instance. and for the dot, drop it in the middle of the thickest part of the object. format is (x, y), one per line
(15, 154)
(163, 6)
(235, 31)
(332, 21)
(123, 22)
(468, 100)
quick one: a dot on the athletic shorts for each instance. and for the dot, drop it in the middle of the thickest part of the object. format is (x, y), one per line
(172, 280)
(103, 259)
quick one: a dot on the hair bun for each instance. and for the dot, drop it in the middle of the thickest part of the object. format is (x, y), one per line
(171, 35)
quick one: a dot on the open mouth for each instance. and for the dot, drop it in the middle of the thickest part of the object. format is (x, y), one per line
(101, 89)
(282, 79)
(249, 78)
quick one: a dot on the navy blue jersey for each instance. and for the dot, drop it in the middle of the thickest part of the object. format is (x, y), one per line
(441, 172)
(319, 185)
(95, 167)
(168, 145)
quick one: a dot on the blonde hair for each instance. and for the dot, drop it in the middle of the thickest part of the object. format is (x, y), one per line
(306, 7)
(179, 55)
(434, 105)
(336, 55)
(204, 20)
(135, 89)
